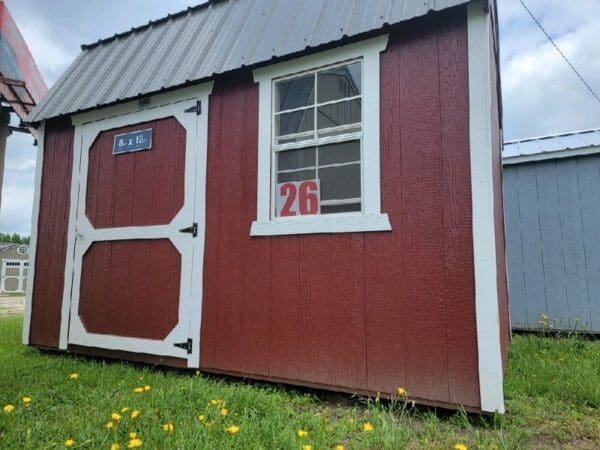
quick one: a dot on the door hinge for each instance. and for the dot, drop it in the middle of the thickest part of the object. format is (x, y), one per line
(195, 109)
(193, 229)
(185, 345)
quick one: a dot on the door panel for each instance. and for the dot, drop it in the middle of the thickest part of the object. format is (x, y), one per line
(132, 268)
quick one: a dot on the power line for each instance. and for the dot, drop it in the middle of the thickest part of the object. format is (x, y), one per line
(596, 96)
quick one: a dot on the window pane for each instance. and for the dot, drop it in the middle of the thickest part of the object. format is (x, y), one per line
(300, 175)
(340, 82)
(295, 122)
(337, 114)
(339, 153)
(295, 93)
(296, 159)
(338, 183)
(332, 209)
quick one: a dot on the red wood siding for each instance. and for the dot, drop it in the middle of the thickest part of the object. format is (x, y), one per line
(368, 312)
(52, 234)
(145, 187)
(131, 288)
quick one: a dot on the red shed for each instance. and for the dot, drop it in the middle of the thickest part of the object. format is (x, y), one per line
(302, 192)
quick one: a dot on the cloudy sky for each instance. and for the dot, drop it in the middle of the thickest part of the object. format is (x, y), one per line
(541, 95)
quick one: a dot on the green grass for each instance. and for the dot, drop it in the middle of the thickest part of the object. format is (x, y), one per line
(552, 391)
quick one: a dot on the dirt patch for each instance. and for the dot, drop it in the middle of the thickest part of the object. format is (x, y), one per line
(11, 305)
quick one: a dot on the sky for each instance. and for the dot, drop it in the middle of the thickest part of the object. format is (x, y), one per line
(541, 95)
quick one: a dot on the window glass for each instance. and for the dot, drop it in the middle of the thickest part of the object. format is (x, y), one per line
(343, 152)
(336, 114)
(339, 82)
(296, 159)
(299, 175)
(295, 93)
(340, 183)
(333, 209)
(294, 122)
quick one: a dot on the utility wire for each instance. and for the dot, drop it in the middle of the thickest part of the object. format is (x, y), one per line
(596, 96)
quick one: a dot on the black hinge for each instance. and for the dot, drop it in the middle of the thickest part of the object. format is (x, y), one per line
(193, 229)
(185, 345)
(195, 109)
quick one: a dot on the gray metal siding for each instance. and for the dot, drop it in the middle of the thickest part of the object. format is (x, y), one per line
(215, 38)
(552, 214)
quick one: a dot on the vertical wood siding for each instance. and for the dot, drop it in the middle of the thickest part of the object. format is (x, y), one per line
(354, 311)
(52, 234)
(553, 242)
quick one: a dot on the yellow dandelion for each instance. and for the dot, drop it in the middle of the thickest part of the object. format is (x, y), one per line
(138, 390)
(132, 435)
(135, 413)
(216, 402)
(460, 447)
(168, 427)
(401, 392)
(302, 433)
(74, 376)
(147, 388)
(339, 447)
(109, 425)
(124, 409)
(26, 401)
(232, 429)
(69, 442)
(115, 446)
(201, 417)
(134, 443)
(9, 408)
(224, 412)
(367, 427)
(115, 416)
(307, 447)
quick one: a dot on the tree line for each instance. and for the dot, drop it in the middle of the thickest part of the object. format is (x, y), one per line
(14, 238)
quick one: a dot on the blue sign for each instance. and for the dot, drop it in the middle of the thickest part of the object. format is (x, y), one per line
(133, 142)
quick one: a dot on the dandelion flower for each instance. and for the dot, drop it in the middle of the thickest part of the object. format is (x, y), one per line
(147, 388)
(74, 376)
(216, 402)
(302, 433)
(224, 412)
(134, 443)
(307, 447)
(401, 391)
(168, 427)
(115, 446)
(69, 442)
(460, 447)
(201, 417)
(9, 408)
(134, 413)
(367, 427)
(109, 425)
(138, 390)
(132, 435)
(339, 447)
(124, 410)
(27, 401)
(115, 416)
(233, 429)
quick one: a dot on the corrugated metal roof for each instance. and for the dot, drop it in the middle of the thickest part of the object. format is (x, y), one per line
(213, 38)
(552, 146)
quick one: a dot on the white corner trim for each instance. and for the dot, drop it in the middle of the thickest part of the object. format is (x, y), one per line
(484, 237)
(559, 154)
(334, 223)
(33, 240)
(369, 50)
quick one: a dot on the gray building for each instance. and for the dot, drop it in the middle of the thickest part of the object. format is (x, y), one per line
(552, 214)
(14, 267)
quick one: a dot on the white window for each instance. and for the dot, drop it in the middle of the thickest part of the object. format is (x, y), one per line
(318, 163)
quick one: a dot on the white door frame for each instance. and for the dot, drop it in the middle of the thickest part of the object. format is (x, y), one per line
(81, 234)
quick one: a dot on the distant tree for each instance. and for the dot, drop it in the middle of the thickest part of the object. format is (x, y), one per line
(14, 238)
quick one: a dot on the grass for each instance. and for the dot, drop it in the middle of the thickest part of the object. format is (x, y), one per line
(552, 391)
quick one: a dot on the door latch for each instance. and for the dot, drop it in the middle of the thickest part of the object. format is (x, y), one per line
(193, 229)
(185, 345)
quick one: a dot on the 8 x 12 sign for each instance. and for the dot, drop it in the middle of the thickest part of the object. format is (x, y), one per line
(132, 142)
(297, 198)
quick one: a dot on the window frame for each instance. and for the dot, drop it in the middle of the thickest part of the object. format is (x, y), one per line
(370, 217)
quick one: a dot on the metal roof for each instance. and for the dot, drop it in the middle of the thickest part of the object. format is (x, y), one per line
(212, 38)
(549, 147)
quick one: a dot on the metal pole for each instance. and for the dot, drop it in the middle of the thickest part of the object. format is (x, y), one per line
(4, 132)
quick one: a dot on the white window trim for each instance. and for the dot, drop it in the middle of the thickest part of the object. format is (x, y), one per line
(371, 218)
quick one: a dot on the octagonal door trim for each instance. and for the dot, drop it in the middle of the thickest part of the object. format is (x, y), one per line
(83, 235)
